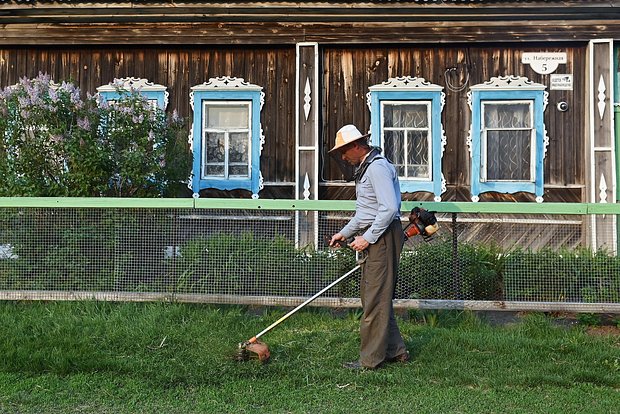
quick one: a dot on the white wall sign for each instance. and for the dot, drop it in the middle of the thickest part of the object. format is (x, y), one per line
(543, 62)
(561, 82)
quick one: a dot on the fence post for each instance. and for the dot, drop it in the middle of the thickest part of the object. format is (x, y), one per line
(456, 274)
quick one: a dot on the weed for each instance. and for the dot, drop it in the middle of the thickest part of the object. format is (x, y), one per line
(589, 319)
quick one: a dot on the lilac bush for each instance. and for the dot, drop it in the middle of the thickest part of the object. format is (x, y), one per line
(54, 143)
(40, 136)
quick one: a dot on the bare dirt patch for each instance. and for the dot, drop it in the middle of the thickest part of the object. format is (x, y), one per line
(605, 330)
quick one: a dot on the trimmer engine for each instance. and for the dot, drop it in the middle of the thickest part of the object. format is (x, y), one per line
(422, 222)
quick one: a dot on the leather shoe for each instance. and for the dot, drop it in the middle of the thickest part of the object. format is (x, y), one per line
(402, 358)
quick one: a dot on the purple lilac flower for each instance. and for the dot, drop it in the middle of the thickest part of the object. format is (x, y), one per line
(53, 94)
(23, 101)
(83, 123)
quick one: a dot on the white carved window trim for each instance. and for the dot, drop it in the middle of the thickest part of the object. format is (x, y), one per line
(507, 88)
(227, 89)
(408, 89)
(156, 94)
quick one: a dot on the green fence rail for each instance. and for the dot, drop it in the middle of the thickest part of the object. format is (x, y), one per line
(308, 205)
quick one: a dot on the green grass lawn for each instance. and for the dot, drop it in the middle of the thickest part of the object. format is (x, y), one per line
(174, 358)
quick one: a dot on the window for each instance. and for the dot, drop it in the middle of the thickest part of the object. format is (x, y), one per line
(406, 123)
(226, 140)
(156, 94)
(228, 135)
(507, 139)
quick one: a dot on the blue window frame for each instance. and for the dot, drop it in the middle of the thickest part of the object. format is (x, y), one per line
(508, 139)
(405, 117)
(156, 94)
(226, 135)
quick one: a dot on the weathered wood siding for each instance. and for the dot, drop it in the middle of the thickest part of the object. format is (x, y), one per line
(349, 71)
(345, 75)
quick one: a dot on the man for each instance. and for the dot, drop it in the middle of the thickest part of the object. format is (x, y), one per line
(378, 231)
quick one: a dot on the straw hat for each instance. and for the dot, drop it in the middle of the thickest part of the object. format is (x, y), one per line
(346, 135)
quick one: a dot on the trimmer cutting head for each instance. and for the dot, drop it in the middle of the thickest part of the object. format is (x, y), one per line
(253, 349)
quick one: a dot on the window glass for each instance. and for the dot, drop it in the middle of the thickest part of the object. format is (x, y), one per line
(227, 116)
(402, 115)
(406, 138)
(509, 155)
(239, 154)
(507, 115)
(215, 153)
(507, 145)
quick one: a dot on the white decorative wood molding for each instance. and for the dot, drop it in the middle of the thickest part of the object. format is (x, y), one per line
(437, 198)
(509, 82)
(306, 187)
(602, 186)
(539, 199)
(444, 140)
(469, 101)
(601, 97)
(262, 100)
(227, 83)
(545, 141)
(131, 84)
(261, 185)
(406, 83)
(545, 100)
(190, 139)
(468, 141)
(189, 185)
(261, 140)
(307, 98)
(135, 84)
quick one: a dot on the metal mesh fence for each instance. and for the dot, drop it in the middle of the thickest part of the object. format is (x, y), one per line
(249, 256)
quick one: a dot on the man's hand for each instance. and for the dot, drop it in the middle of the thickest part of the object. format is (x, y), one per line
(336, 238)
(359, 244)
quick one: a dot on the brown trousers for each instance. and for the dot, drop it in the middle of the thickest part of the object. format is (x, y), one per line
(380, 337)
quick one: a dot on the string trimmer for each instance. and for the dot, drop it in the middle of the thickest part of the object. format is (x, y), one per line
(253, 348)
(421, 222)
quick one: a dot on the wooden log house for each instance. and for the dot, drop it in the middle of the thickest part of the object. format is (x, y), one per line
(474, 100)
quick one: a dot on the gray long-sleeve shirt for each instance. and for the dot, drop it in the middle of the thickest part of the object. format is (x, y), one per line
(377, 201)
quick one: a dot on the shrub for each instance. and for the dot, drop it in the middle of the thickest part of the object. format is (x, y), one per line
(48, 141)
(434, 271)
(54, 143)
(245, 264)
(145, 148)
(581, 275)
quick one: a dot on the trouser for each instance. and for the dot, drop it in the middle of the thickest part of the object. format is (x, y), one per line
(379, 334)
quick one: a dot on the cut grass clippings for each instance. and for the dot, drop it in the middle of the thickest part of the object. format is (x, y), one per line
(95, 357)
